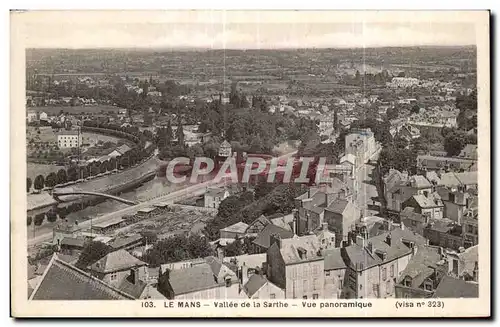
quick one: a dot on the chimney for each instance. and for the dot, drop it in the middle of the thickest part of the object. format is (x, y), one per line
(369, 247)
(295, 221)
(134, 276)
(244, 274)
(461, 249)
(360, 240)
(388, 239)
(324, 226)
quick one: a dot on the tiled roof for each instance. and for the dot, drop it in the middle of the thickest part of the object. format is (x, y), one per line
(430, 201)
(239, 227)
(467, 178)
(115, 261)
(250, 260)
(215, 192)
(291, 249)
(135, 290)
(469, 258)
(333, 259)
(254, 283)
(71, 241)
(264, 237)
(338, 206)
(420, 181)
(450, 287)
(62, 281)
(420, 266)
(360, 259)
(196, 278)
(124, 241)
(409, 213)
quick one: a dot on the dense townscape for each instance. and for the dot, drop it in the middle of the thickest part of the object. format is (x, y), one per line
(393, 132)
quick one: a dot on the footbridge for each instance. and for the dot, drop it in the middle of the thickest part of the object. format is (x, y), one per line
(56, 194)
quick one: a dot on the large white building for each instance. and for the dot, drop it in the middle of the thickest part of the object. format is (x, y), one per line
(360, 143)
(69, 139)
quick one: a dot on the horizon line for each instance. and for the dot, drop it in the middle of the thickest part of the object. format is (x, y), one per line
(244, 49)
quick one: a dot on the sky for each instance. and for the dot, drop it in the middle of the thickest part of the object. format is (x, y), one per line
(249, 30)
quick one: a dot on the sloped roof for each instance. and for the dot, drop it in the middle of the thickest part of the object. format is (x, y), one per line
(426, 201)
(360, 259)
(450, 287)
(124, 241)
(467, 178)
(115, 261)
(333, 259)
(254, 283)
(239, 227)
(62, 281)
(71, 241)
(469, 258)
(134, 290)
(338, 206)
(420, 181)
(420, 266)
(264, 237)
(291, 248)
(215, 192)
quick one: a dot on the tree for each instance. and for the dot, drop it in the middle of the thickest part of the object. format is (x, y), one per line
(234, 249)
(103, 167)
(455, 141)
(61, 176)
(39, 218)
(180, 134)
(28, 184)
(415, 109)
(92, 252)
(51, 180)
(29, 220)
(72, 173)
(39, 182)
(51, 216)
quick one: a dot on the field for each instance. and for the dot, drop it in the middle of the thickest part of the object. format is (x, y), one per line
(51, 110)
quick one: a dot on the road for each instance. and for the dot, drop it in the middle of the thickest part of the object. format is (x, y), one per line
(366, 191)
(189, 191)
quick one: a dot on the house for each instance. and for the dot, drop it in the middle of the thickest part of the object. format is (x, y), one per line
(409, 132)
(325, 237)
(259, 287)
(361, 143)
(469, 152)
(69, 139)
(251, 261)
(414, 221)
(297, 266)
(127, 242)
(116, 266)
(444, 232)
(455, 203)
(423, 273)
(70, 245)
(392, 179)
(263, 240)
(470, 230)
(31, 116)
(181, 264)
(402, 191)
(77, 285)
(431, 162)
(207, 281)
(341, 216)
(119, 151)
(426, 204)
(258, 226)
(334, 273)
(234, 231)
(450, 287)
(464, 263)
(283, 221)
(225, 149)
(460, 181)
(65, 230)
(373, 264)
(43, 116)
(214, 196)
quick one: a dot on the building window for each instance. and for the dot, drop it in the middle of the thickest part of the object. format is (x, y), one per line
(305, 297)
(384, 273)
(392, 270)
(340, 283)
(113, 276)
(360, 287)
(327, 273)
(304, 285)
(315, 284)
(272, 296)
(228, 282)
(315, 296)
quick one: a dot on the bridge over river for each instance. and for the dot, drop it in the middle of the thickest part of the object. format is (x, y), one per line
(58, 193)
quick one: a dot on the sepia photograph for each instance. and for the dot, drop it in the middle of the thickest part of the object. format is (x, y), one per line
(215, 163)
